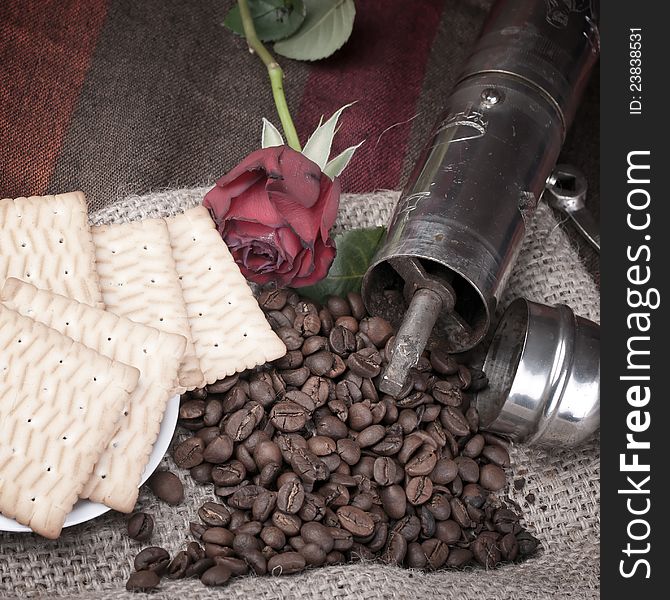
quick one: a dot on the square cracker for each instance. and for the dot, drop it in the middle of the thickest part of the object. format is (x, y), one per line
(156, 354)
(139, 281)
(229, 330)
(46, 241)
(59, 405)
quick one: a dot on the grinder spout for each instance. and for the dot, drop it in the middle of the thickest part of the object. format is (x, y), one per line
(458, 226)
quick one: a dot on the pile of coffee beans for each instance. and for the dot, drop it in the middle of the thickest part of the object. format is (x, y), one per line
(313, 466)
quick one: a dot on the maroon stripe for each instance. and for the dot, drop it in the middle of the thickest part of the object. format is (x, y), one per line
(381, 67)
(45, 51)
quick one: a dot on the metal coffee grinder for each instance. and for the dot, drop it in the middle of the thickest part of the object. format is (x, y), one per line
(457, 229)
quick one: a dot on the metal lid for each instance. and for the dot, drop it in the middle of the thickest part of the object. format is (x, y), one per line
(543, 367)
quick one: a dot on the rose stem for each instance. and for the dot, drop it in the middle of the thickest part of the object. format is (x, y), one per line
(274, 71)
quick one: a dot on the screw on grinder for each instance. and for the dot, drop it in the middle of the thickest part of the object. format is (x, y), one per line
(458, 226)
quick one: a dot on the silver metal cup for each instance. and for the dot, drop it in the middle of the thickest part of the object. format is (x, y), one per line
(543, 367)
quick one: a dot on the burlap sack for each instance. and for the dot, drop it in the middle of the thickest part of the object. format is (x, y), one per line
(93, 560)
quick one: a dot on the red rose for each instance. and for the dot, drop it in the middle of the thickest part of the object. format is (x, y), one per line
(274, 211)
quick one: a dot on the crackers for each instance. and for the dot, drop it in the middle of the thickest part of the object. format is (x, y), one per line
(46, 241)
(59, 405)
(229, 331)
(139, 280)
(156, 354)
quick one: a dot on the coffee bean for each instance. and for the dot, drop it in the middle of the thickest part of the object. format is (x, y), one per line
(377, 329)
(428, 523)
(472, 417)
(189, 453)
(296, 377)
(459, 557)
(242, 422)
(231, 473)
(418, 490)
(309, 467)
(440, 506)
(202, 473)
(394, 501)
(313, 507)
(422, 463)
(167, 487)
(219, 536)
(290, 497)
(234, 400)
(343, 540)
(474, 495)
(497, 455)
(273, 537)
(289, 524)
(505, 520)
(409, 527)
(207, 434)
(154, 559)
(338, 307)
(223, 385)
(492, 477)
(459, 512)
(448, 531)
(356, 304)
(195, 551)
(445, 471)
(474, 446)
(370, 435)
(366, 362)
(142, 581)
(273, 299)
(322, 445)
(454, 421)
(396, 549)
(415, 557)
(334, 494)
(286, 563)
(360, 416)
(509, 547)
(314, 555)
(192, 409)
(197, 529)
(288, 416)
(245, 542)
(236, 566)
(216, 575)
(245, 497)
(468, 469)
(219, 450)
(214, 515)
(330, 426)
(443, 363)
(342, 341)
(177, 568)
(263, 506)
(348, 322)
(320, 363)
(197, 568)
(486, 552)
(265, 453)
(291, 337)
(355, 520)
(527, 543)
(311, 345)
(213, 412)
(257, 562)
(385, 470)
(436, 552)
(140, 526)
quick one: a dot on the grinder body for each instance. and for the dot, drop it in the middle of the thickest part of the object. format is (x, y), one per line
(460, 221)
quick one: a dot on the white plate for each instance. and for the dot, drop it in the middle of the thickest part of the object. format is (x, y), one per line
(85, 510)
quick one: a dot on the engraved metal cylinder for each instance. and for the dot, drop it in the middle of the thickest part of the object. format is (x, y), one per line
(463, 213)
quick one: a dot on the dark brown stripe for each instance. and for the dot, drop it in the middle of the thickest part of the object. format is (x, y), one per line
(45, 51)
(172, 99)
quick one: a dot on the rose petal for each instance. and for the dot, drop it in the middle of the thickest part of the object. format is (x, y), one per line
(299, 181)
(329, 202)
(218, 199)
(255, 206)
(323, 258)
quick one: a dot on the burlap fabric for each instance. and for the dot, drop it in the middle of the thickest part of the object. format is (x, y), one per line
(94, 559)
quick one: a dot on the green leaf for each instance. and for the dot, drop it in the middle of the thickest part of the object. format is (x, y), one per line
(273, 19)
(317, 148)
(327, 27)
(355, 249)
(340, 162)
(270, 136)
